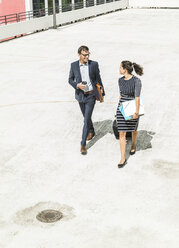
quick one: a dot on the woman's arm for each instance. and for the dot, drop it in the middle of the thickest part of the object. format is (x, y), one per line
(136, 114)
(138, 86)
(119, 89)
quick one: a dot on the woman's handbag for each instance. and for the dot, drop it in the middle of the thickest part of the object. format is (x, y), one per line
(128, 108)
(100, 91)
(116, 132)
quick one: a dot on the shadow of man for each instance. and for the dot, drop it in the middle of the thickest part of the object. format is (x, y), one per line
(101, 129)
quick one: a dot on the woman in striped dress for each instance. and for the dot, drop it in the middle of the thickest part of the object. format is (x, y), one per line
(130, 88)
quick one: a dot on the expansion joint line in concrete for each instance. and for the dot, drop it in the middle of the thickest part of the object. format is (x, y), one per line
(43, 102)
(153, 7)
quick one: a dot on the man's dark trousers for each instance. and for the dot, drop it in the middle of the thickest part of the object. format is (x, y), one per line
(87, 106)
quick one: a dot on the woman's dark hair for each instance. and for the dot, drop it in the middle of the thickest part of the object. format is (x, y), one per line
(82, 48)
(129, 66)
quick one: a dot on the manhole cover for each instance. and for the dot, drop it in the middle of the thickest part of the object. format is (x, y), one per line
(49, 216)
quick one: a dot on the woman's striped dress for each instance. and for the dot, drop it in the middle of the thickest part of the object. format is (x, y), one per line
(129, 89)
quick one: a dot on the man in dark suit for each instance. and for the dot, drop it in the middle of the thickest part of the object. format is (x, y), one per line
(83, 77)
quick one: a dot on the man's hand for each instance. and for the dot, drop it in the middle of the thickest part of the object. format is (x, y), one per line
(81, 86)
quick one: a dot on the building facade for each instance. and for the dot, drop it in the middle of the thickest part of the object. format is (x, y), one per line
(8, 7)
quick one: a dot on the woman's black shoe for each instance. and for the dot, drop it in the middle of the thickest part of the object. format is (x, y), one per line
(132, 153)
(122, 165)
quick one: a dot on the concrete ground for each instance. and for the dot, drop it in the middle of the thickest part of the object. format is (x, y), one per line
(40, 131)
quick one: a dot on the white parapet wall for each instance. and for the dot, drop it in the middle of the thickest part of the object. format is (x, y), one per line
(36, 24)
(154, 3)
(91, 11)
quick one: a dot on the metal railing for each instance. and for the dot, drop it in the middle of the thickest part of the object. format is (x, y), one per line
(22, 16)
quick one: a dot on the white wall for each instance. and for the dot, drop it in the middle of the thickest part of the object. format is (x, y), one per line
(153, 3)
(90, 11)
(46, 22)
(28, 5)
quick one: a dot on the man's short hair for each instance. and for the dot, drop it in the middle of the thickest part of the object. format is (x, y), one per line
(82, 48)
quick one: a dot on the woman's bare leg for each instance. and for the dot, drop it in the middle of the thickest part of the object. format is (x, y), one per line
(122, 141)
(134, 140)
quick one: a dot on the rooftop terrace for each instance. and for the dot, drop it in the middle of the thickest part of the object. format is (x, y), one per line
(40, 130)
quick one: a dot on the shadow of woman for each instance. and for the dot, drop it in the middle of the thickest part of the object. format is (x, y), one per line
(143, 141)
(104, 127)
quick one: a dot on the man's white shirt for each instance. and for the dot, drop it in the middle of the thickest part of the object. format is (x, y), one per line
(84, 70)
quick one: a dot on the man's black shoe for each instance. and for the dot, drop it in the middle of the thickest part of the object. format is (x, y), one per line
(83, 150)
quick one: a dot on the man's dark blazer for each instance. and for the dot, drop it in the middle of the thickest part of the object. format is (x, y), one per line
(75, 78)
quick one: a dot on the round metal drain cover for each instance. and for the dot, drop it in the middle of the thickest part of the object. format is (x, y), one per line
(49, 216)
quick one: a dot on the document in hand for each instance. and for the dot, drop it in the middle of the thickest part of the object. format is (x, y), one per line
(100, 91)
(128, 108)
